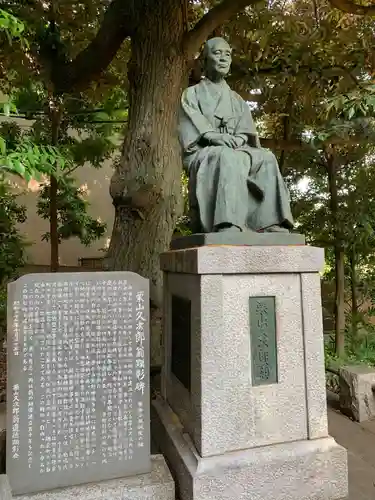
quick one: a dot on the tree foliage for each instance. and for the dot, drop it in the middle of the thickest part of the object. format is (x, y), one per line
(72, 213)
(66, 133)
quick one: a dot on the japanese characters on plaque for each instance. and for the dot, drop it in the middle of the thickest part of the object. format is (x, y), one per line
(263, 340)
(78, 379)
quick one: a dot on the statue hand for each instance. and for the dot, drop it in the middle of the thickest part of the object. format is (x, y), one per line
(217, 139)
(213, 138)
(240, 141)
(229, 140)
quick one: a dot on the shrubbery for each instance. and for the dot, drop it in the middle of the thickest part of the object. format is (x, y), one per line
(12, 245)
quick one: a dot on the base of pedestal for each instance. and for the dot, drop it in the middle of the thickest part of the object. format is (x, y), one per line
(157, 485)
(301, 470)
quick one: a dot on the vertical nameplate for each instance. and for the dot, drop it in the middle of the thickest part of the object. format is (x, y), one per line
(181, 340)
(263, 340)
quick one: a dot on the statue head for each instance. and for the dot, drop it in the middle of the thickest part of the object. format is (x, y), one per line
(217, 57)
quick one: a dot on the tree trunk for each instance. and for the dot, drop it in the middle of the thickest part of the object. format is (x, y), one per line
(286, 130)
(354, 296)
(53, 225)
(340, 302)
(339, 258)
(55, 117)
(146, 187)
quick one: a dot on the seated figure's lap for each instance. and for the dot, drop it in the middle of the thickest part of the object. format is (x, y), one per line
(226, 154)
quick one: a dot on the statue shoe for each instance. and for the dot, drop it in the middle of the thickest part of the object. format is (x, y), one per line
(224, 227)
(274, 229)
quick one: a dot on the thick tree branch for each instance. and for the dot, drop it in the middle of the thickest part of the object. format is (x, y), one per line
(213, 19)
(353, 8)
(117, 24)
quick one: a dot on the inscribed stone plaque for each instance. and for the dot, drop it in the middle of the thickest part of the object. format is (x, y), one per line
(181, 340)
(263, 340)
(78, 381)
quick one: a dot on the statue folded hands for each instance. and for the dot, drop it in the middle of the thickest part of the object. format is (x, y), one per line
(234, 184)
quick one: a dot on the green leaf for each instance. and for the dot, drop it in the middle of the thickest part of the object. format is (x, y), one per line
(19, 167)
(27, 176)
(31, 157)
(6, 108)
(3, 146)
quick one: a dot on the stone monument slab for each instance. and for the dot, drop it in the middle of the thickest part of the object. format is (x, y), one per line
(78, 381)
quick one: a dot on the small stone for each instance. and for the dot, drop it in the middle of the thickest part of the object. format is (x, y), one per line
(357, 399)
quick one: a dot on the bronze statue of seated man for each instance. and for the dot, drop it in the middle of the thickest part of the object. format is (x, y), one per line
(234, 184)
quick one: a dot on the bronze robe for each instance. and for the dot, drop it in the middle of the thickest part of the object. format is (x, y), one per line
(240, 186)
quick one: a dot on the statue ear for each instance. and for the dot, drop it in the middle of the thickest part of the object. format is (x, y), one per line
(202, 64)
(196, 71)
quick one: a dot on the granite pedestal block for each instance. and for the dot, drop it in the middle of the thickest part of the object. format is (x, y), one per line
(357, 392)
(157, 485)
(243, 386)
(300, 470)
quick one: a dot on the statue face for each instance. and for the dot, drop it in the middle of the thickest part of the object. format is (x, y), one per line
(218, 58)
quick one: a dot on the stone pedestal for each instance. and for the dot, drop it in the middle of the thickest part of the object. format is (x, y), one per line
(243, 409)
(156, 485)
